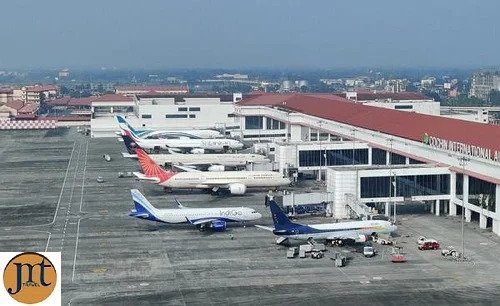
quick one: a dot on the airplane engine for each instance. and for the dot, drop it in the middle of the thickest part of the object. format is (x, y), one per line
(197, 151)
(216, 168)
(219, 225)
(361, 238)
(237, 188)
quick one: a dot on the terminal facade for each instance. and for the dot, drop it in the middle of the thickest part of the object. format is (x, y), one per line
(380, 156)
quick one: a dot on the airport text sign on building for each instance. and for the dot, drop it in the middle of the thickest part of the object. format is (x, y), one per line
(462, 148)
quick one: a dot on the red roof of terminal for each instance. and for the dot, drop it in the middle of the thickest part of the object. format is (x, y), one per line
(403, 124)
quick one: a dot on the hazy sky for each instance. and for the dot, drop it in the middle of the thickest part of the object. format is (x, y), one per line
(248, 33)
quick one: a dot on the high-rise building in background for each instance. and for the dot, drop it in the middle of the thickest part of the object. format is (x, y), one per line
(483, 83)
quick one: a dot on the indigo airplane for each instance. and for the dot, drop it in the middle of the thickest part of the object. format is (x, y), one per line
(353, 230)
(203, 218)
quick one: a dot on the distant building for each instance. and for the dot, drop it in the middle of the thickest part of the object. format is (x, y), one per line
(232, 76)
(167, 111)
(427, 82)
(403, 101)
(63, 73)
(35, 94)
(18, 109)
(130, 90)
(6, 95)
(483, 83)
(396, 85)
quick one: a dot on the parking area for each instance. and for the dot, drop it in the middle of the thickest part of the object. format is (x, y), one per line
(51, 200)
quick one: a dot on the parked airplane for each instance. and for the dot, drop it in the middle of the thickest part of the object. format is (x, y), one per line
(193, 145)
(166, 134)
(353, 230)
(236, 182)
(212, 162)
(211, 218)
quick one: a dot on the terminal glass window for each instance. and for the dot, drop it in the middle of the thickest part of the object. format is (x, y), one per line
(182, 109)
(460, 186)
(146, 116)
(192, 116)
(378, 156)
(396, 159)
(273, 124)
(175, 116)
(406, 186)
(313, 135)
(194, 109)
(253, 122)
(314, 158)
(414, 161)
(403, 107)
(323, 136)
(482, 193)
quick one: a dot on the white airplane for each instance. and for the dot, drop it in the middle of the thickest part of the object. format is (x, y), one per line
(211, 218)
(193, 145)
(236, 182)
(168, 134)
(353, 230)
(213, 162)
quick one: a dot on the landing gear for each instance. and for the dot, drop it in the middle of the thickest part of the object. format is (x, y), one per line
(167, 190)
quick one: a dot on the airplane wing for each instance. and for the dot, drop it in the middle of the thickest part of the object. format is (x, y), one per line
(129, 155)
(201, 221)
(219, 183)
(142, 176)
(267, 228)
(186, 169)
(344, 235)
(179, 204)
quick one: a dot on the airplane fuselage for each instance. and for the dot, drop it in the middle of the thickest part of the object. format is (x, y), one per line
(227, 214)
(209, 159)
(341, 230)
(204, 180)
(218, 144)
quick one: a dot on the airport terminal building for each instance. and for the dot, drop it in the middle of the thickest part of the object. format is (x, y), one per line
(377, 156)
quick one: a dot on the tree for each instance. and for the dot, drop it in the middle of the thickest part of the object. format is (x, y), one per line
(494, 98)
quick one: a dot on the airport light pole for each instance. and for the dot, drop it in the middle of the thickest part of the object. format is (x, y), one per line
(463, 161)
(353, 143)
(320, 150)
(392, 183)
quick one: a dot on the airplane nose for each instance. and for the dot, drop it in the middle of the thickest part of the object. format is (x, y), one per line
(258, 216)
(393, 228)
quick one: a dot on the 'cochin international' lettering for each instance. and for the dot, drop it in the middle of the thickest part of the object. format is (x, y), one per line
(463, 148)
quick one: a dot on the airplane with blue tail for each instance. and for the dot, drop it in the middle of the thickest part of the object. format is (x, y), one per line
(156, 134)
(359, 231)
(203, 218)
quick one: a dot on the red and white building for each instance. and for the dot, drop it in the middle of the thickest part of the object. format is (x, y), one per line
(377, 156)
(36, 93)
(130, 90)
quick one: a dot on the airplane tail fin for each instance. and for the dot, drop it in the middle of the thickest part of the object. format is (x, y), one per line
(152, 169)
(130, 144)
(142, 208)
(281, 221)
(123, 123)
